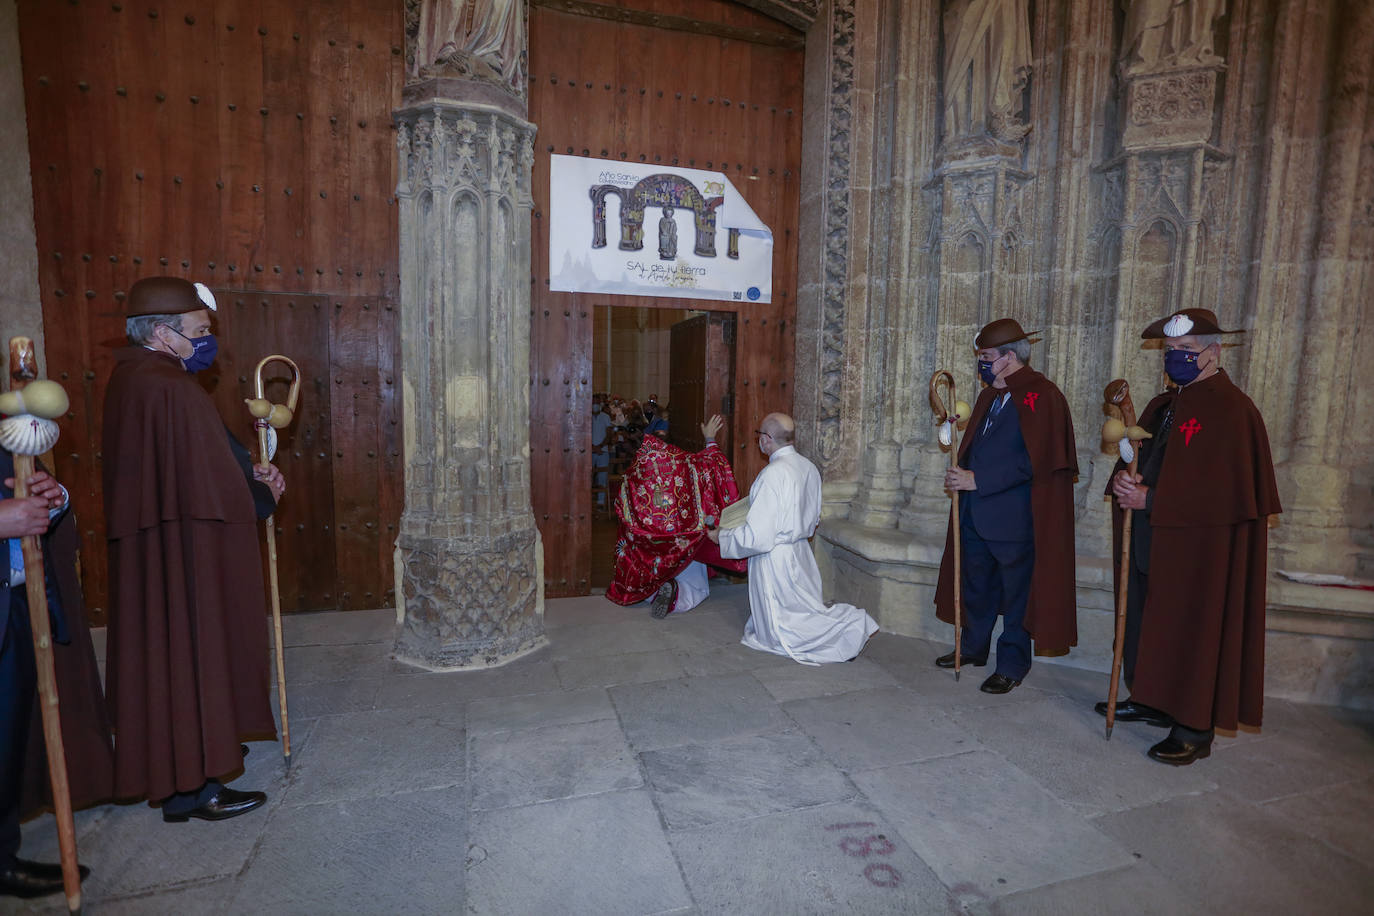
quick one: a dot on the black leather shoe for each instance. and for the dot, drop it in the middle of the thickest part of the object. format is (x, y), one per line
(665, 600)
(998, 683)
(1179, 753)
(1131, 711)
(243, 750)
(947, 661)
(32, 879)
(225, 803)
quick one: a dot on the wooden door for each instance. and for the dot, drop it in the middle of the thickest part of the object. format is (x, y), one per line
(248, 146)
(696, 83)
(702, 369)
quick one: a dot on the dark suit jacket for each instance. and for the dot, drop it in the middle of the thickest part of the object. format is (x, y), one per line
(1000, 509)
(58, 620)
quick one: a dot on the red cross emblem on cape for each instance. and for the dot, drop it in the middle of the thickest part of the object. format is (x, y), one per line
(1029, 399)
(1192, 426)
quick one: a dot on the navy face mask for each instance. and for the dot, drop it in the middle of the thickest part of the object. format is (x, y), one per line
(1181, 366)
(203, 352)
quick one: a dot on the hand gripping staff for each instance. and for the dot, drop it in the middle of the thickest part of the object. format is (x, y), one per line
(28, 431)
(950, 422)
(1119, 437)
(267, 419)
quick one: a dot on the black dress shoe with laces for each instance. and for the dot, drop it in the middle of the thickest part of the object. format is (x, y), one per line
(19, 878)
(947, 661)
(1131, 711)
(998, 683)
(1180, 753)
(224, 804)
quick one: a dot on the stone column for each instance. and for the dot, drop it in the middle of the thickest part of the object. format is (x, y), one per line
(469, 558)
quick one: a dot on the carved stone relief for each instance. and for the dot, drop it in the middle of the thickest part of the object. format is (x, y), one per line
(480, 40)
(987, 64)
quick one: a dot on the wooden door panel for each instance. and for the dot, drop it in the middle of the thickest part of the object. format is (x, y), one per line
(245, 145)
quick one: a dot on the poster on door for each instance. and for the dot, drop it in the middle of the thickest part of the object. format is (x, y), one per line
(640, 229)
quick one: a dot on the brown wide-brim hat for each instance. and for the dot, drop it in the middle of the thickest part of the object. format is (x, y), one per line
(1001, 332)
(167, 296)
(1184, 323)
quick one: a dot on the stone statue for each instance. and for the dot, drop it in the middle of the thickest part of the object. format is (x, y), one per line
(987, 64)
(667, 236)
(478, 38)
(1166, 34)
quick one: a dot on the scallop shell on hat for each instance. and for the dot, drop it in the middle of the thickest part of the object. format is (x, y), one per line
(1178, 326)
(27, 435)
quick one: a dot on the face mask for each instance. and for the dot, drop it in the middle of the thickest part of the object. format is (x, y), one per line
(985, 372)
(203, 352)
(1181, 366)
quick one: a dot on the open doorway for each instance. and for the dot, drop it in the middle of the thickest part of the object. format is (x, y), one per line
(655, 371)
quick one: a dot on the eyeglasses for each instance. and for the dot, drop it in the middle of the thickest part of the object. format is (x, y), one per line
(759, 432)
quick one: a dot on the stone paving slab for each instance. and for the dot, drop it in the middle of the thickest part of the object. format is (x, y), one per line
(589, 609)
(1242, 859)
(564, 707)
(1061, 743)
(330, 628)
(796, 681)
(1270, 768)
(328, 698)
(829, 859)
(699, 784)
(1339, 815)
(596, 639)
(934, 687)
(384, 752)
(313, 664)
(444, 693)
(609, 670)
(394, 855)
(604, 854)
(876, 728)
(1136, 890)
(700, 630)
(731, 658)
(986, 828)
(542, 764)
(696, 710)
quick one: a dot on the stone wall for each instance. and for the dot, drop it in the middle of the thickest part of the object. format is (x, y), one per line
(21, 311)
(1082, 173)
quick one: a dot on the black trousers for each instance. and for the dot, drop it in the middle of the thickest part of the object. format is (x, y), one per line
(18, 682)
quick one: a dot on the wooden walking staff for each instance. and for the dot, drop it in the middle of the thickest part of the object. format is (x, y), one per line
(267, 419)
(27, 432)
(950, 422)
(1120, 436)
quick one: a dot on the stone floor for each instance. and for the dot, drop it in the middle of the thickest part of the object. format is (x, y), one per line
(641, 766)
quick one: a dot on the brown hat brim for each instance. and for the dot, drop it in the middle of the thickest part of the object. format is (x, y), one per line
(1203, 323)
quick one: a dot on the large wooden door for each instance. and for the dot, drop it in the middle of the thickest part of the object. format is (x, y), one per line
(246, 145)
(702, 368)
(697, 83)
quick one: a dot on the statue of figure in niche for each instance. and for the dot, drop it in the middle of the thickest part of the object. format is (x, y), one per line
(481, 39)
(667, 236)
(1165, 34)
(987, 65)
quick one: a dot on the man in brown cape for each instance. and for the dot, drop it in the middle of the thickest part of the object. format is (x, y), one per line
(1016, 469)
(1202, 497)
(188, 676)
(24, 783)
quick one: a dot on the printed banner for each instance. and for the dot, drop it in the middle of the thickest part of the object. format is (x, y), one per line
(635, 229)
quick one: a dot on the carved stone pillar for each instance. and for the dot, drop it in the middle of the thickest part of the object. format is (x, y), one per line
(469, 578)
(1160, 193)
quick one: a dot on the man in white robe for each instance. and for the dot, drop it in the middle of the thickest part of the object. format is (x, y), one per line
(788, 615)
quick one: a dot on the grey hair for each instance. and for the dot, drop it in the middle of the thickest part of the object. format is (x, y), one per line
(139, 328)
(1206, 340)
(1020, 347)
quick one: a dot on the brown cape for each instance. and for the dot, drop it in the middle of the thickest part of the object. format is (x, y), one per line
(1047, 428)
(187, 659)
(85, 724)
(1201, 650)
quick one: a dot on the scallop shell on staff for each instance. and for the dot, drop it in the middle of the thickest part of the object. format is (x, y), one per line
(28, 435)
(947, 434)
